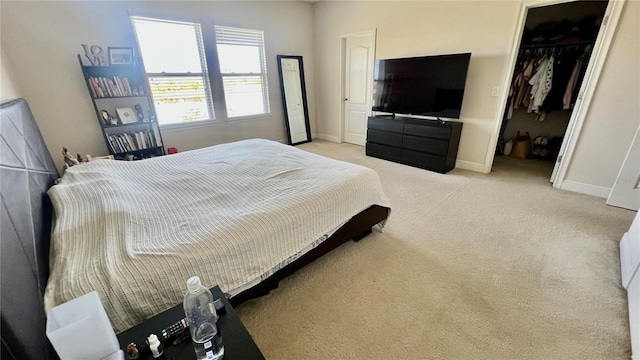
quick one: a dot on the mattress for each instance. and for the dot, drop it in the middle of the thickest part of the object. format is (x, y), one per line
(231, 214)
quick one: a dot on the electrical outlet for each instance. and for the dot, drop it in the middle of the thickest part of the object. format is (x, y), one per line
(494, 90)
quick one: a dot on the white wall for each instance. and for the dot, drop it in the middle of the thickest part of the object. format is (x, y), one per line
(404, 29)
(484, 28)
(614, 113)
(41, 40)
(8, 89)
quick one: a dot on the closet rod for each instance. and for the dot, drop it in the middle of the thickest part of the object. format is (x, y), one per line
(536, 46)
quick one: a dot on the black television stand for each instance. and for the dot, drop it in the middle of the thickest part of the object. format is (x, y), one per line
(427, 144)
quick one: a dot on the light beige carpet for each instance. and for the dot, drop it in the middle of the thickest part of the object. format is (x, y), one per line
(469, 266)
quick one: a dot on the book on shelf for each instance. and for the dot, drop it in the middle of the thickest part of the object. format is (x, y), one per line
(131, 141)
(106, 87)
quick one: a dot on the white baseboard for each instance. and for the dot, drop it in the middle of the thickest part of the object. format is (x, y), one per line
(468, 165)
(331, 138)
(593, 190)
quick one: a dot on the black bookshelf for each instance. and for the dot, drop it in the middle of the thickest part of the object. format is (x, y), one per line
(124, 87)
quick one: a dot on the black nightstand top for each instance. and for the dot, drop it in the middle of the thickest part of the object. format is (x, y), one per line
(237, 341)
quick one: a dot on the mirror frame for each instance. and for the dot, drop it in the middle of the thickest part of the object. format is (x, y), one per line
(304, 98)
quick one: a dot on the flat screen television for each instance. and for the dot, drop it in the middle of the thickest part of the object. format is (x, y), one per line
(426, 85)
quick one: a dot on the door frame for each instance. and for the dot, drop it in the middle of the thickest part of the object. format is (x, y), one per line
(587, 89)
(343, 57)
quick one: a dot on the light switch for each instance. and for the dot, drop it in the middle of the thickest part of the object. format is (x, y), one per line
(494, 90)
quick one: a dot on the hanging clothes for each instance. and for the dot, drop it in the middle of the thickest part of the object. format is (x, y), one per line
(524, 89)
(541, 83)
(571, 86)
(581, 73)
(563, 66)
(554, 84)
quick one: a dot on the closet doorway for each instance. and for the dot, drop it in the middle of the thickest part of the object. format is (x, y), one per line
(560, 47)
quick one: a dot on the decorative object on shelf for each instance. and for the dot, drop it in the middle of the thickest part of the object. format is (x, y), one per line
(139, 113)
(126, 115)
(120, 56)
(108, 119)
(152, 116)
(94, 54)
(294, 97)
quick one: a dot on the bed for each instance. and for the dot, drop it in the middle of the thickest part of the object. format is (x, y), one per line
(28, 173)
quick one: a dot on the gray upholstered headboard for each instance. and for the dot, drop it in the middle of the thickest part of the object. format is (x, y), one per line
(26, 173)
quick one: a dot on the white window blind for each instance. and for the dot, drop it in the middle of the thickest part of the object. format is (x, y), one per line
(174, 59)
(243, 68)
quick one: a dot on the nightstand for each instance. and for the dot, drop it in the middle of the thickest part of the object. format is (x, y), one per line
(238, 344)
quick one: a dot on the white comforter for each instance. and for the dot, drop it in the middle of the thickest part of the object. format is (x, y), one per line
(136, 231)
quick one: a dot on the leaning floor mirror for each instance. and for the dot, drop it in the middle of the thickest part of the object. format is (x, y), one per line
(294, 97)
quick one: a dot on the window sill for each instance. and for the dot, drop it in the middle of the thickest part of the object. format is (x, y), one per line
(249, 118)
(211, 122)
(188, 125)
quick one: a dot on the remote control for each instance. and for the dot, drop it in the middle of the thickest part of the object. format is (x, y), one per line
(180, 327)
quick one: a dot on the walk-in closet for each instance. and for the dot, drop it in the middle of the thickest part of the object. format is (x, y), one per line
(555, 49)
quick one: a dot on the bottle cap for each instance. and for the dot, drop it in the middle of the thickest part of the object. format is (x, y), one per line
(155, 346)
(194, 283)
(153, 340)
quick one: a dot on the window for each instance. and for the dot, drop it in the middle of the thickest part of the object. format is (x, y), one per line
(243, 69)
(175, 63)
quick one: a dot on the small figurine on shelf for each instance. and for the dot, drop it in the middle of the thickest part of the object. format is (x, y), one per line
(69, 160)
(139, 113)
(152, 116)
(108, 119)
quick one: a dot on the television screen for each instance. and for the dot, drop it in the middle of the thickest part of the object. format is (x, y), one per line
(427, 85)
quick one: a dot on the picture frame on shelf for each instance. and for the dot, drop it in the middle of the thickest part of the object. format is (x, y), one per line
(120, 55)
(126, 115)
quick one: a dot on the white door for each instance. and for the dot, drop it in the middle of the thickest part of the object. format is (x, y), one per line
(625, 193)
(358, 85)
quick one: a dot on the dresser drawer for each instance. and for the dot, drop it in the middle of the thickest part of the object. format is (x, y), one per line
(438, 132)
(424, 160)
(386, 124)
(383, 152)
(384, 137)
(428, 145)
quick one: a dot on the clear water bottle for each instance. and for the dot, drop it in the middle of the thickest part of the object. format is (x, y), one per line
(203, 321)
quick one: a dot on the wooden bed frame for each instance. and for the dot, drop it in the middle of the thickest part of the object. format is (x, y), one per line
(27, 172)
